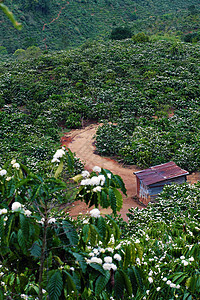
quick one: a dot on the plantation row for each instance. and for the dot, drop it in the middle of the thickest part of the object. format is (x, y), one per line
(135, 85)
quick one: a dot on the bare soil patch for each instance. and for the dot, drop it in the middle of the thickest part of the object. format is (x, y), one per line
(81, 141)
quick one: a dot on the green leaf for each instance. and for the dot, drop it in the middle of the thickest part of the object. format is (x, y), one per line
(69, 282)
(101, 282)
(104, 201)
(86, 233)
(77, 178)
(1, 228)
(81, 259)
(59, 169)
(55, 285)
(139, 250)
(119, 183)
(98, 268)
(70, 161)
(21, 240)
(1, 295)
(119, 198)
(8, 227)
(138, 277)
(119, 285)
(116, 230)
(127, 256)
(70, 232)
(101, 225)
(24, 222)
(127, 283)
(94, 235)
(113, 200)
(36, 249)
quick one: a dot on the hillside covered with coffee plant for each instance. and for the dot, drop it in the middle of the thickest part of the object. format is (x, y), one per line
(56, 25)
(133, 84)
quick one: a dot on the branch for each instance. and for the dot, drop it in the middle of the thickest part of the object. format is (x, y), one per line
(10, 16)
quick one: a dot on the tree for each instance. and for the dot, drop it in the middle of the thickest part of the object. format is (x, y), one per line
(120, 33)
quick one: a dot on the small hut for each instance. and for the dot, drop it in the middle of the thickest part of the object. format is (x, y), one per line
(150, 182)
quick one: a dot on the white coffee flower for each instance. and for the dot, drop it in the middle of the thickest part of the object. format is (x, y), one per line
(191, 258)
(51, 220)
(114, 267)
(106, 266)
(95, 180)
(85, 174)
(110, 249)
(117, 257)
(96, 260)
(109, 175)
(96, 169)
(137, 241)
(85, 221)
(108, 259)
(16, 206)
(13, 161)
(97, 189)
(16, 165)
(102, 179)
(95, 213)
(27, 212)
(182, 257)
(172, 285)
(3, 172)
(168, 282)
(55, 160)
(85, 181)
(150, 279)
(59, 153)
(3, 211)
(185, 262)
(72, 269)
(158, 288)
(165, 279)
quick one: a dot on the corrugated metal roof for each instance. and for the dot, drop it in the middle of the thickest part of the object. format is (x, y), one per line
(160, 173)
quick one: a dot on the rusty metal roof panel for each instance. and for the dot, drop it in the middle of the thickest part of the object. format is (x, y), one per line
(160, 173)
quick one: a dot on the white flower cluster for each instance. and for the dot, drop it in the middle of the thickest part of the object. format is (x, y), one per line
(96, 169)
(59, 154)
(95, 260)
(171, 284)
(95, 213)
(16, 206)
(3, 211)
(15, 164)
(95, 180)
(108, 265)
(85, 174)
(3, 172)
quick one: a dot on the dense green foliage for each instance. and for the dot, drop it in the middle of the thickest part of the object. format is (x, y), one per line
(169, 233)
(56, 25)
(135, 84)
(46, 253)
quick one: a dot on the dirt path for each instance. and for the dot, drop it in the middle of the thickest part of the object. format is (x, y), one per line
(81, 142)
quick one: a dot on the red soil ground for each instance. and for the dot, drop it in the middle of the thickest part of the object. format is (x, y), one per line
(81, 141)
